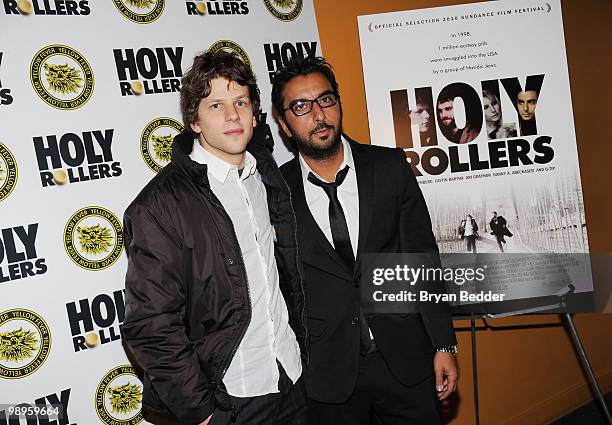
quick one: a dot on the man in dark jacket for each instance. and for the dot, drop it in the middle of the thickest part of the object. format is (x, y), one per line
(499, 229)
(353, 199)
(214, 296)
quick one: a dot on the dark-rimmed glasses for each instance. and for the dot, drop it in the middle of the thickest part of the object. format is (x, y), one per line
(301, 107)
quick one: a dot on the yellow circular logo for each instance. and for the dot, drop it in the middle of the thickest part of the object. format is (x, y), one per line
(119, 397)
(93, 238)
(25, 341)
(8, 172)
(141, 11)
(284, 10)
(62, 77)
(232, 46)
(156, 142)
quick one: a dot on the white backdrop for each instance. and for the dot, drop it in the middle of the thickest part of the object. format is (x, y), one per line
(67, 71)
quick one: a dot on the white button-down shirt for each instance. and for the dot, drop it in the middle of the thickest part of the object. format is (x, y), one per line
(348, 195)
(253, 370)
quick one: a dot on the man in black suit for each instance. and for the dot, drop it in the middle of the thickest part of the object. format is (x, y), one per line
(392, 369)
(499, 229)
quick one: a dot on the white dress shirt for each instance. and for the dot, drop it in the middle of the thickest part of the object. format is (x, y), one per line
(253, 370)
(469, 228)
(348, 195)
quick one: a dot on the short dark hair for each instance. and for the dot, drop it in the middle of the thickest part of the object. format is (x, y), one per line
(297, 66)
(449, 93)
(448, 96)
(195, 84)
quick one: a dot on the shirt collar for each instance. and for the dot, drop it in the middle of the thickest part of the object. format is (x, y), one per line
(348, 160)
(219, 168)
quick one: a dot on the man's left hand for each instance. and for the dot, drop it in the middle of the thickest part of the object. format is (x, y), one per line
(447, 374)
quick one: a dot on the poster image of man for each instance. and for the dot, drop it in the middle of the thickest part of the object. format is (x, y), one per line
(525, 101)
(499, 229)
(445, 110)
(422, 115)
(468, 230)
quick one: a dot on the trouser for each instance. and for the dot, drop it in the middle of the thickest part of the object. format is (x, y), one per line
(379, 398)
(471, 243)
(500, 239)
(287, 407)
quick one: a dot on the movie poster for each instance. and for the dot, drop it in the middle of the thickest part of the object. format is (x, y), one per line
(478, 96)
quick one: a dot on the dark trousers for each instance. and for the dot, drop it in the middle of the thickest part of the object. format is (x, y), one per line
(287, 407)
(499, 237)
(471, 243)
(379, 398)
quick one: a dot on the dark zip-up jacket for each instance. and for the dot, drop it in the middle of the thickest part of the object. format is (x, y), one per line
(187, 299)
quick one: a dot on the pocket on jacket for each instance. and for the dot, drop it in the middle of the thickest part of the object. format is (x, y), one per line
(151, 400)
(220, 417)
(316, 326)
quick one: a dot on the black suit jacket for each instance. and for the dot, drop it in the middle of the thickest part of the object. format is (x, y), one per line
(393, 218)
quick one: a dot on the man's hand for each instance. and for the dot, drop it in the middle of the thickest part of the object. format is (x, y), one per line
(206, 421)
(447, 374)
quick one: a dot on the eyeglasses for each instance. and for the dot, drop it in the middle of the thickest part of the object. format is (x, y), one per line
(303, 106)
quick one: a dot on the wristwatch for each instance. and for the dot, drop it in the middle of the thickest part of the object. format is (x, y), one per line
(448, 349)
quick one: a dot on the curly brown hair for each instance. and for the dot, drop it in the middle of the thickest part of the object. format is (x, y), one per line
(195, 84)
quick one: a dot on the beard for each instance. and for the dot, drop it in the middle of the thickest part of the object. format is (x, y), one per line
(307, 148)
(448, 130)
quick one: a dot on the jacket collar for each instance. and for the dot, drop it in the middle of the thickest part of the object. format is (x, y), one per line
(366, 184)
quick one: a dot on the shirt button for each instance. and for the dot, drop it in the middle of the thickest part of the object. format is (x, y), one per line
(355, 320)
(230, 261)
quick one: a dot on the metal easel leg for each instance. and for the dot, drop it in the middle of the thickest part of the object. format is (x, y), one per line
(587, 367)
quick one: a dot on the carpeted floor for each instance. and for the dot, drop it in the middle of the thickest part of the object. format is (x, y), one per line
(589, 414)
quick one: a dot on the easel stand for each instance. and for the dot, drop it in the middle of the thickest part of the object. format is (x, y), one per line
(569, 321)
(587, 366)
(473, 317)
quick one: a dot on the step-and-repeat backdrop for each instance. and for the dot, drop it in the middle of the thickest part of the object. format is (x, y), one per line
(89, 105)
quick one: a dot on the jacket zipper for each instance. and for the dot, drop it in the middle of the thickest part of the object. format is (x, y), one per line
(219, 376)
(228, 359)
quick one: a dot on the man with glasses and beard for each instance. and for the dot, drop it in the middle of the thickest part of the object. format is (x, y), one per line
(352, 199)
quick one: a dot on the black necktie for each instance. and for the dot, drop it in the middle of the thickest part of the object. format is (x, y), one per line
(342, 240)
(337, 220)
